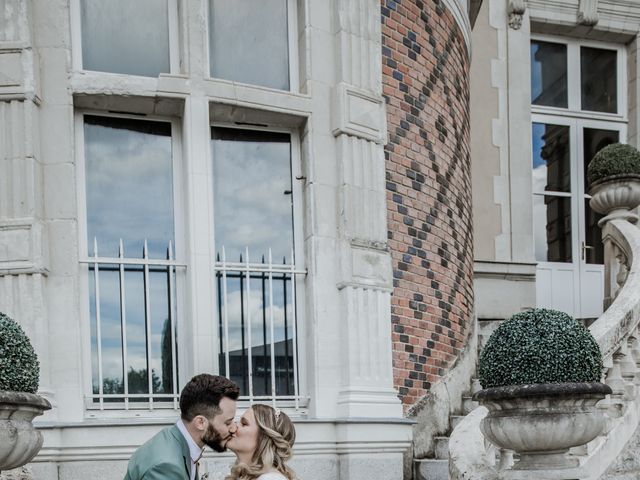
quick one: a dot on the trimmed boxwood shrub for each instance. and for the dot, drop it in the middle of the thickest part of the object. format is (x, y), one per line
(540, 346)
(19, 367)
(614, 159)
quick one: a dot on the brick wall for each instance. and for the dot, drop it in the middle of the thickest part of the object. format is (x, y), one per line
(426, 87)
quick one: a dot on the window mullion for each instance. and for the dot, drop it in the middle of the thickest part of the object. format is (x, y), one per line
(201, 301)
(573, 76)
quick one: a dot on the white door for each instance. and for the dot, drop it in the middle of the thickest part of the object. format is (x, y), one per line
(568, 244)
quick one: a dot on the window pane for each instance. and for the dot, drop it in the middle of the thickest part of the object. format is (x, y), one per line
(248, 41)
(110, 330)
(551, 158)
(134, 359)
(552, 228)
(594, 140)
(260, 312)
(549, 74)
(252, 194)
(124, 36)
(593, 235)
(129, 185)
(598, 69)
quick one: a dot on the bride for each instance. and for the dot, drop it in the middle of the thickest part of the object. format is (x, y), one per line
(262, 443)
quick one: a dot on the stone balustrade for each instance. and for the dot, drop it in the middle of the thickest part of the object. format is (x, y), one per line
(617, 332)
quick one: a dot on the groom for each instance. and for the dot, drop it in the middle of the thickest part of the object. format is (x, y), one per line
(207, 410)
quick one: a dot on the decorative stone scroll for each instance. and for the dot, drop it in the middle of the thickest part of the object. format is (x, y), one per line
(516, 9)
(588, 12)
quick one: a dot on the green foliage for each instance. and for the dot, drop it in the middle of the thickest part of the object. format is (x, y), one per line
(19, 367)
(540, 346)
(614, 159)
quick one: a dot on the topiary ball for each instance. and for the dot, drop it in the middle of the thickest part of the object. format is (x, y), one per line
(19, 367)
(540, 346)
(614, 159)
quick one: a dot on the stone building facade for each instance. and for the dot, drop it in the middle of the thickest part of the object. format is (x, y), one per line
(195, 198)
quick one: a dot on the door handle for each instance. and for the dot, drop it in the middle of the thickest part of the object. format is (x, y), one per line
(585, 247)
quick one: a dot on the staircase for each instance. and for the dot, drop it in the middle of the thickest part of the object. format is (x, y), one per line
(611, 456)
(437, 467)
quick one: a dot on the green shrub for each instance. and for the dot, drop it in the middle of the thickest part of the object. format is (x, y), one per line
(540, 346)
(614, 159)
(19, 368)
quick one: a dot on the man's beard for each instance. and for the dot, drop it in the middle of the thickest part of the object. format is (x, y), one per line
(214, 440)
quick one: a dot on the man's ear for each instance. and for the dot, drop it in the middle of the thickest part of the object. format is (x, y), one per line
(200, 423)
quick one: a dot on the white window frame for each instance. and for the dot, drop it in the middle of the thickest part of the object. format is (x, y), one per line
(301, 399)
(574, 99)
(174, 40)
(292, 43)
(576, 120)
(100, 409)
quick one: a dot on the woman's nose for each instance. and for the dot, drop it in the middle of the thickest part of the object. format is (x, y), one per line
(233, 427)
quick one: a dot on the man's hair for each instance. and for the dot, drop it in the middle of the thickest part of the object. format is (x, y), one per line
(202, 395)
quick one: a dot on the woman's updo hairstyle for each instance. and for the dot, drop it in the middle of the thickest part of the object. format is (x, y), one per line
(276, 436)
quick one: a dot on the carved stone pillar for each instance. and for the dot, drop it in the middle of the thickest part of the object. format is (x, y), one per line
(23, 235)
(359, 126)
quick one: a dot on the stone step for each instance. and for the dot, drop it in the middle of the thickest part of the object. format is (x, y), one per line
(468, 405)
(441, 448)
(429, 469)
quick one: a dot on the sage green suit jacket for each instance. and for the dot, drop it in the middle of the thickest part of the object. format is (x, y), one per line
(163, 457)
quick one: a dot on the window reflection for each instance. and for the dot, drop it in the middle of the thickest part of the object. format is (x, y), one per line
(253, 204)
(598, 71)
(119, 355)
(594, 140)
(255, 305)
(548, 74)
(115, 40)
(551, 158)
(248, 41)
(129, 186)
(552, 228)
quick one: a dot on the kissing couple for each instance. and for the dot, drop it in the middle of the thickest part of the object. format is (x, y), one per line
(262, 439)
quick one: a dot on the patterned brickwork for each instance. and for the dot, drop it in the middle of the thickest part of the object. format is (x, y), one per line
(426, 87)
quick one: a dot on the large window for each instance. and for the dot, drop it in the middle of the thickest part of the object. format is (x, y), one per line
(578, 107)
(249, 41)
(131, 185)
(130, 238)
(255, 260)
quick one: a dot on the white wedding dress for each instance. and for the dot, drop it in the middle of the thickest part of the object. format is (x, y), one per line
(272, 476)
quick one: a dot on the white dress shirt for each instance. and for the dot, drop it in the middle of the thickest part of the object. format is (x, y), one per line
(194, 450)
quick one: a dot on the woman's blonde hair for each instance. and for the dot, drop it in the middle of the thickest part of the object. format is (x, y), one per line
(276, 435)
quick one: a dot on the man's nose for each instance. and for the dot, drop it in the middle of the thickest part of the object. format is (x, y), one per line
(233, 427)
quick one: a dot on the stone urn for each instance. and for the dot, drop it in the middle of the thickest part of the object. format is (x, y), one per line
(615, 196)
(541, 422)
(19, 440)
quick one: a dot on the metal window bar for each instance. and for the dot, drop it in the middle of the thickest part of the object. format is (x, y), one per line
(244, 272)
(122, 265)
(123, 326)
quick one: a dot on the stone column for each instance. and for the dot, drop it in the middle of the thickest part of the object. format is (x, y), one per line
(23, 236)
(359, 127)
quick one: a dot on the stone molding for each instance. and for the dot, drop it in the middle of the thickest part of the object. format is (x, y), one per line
(461, 15)
(23, 247)
(610, 16)
(588, 12)
(359, 113)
